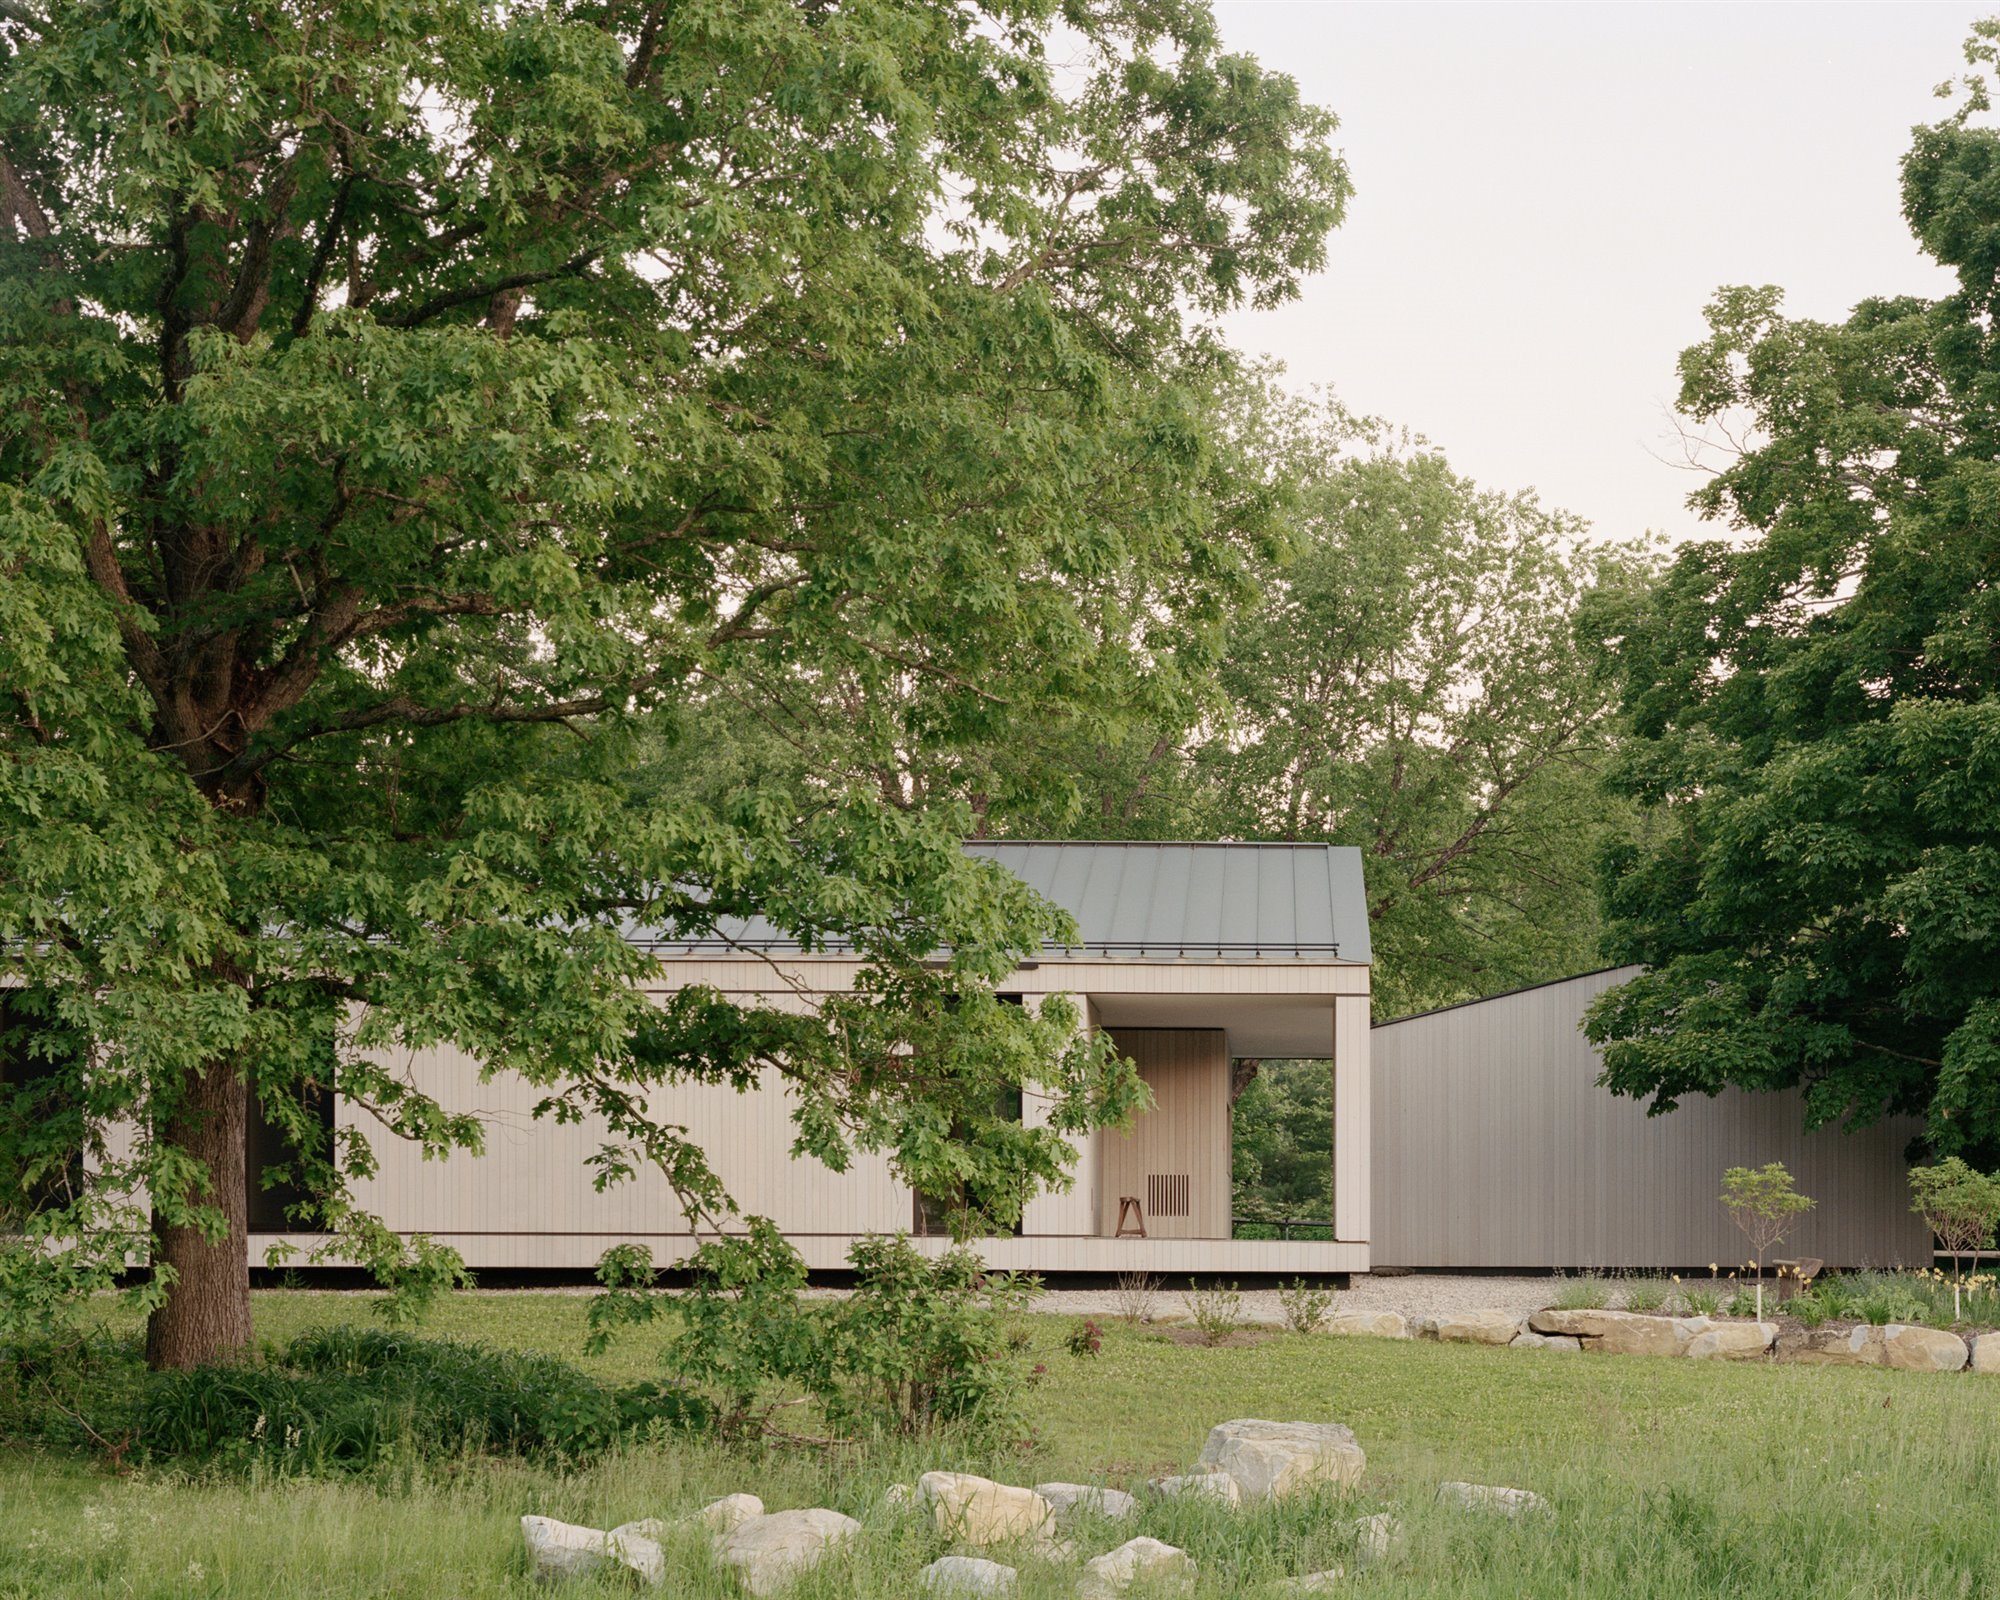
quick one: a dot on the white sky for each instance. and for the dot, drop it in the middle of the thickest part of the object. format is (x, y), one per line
(1547, 195)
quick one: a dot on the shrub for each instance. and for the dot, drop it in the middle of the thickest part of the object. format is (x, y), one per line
(1137, 1295)
(1086, 1338)
(1305, 1306)
(1701, 1300)
(1589, 1293)
(350, 1399)
(1960, 1205)
(1216, 1312)
(1647, 1294)
(918, 1343)
(1809, 1309)
(72, 1389)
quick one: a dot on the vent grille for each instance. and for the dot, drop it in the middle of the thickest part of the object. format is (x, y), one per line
(1166, 1194)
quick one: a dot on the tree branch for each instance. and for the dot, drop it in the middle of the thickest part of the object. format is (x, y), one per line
(438, 304)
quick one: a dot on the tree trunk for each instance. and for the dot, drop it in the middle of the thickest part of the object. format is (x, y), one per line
(206, 1315)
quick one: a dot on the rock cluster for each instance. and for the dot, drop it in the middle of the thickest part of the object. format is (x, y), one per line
(564, 1550)
(1243, 1461)
(1894, 1344)
(1631, 1333)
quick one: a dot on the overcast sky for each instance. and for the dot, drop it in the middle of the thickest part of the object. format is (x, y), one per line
(1547, 195)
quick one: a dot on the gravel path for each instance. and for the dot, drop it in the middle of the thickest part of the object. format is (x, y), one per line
(1418, 1295)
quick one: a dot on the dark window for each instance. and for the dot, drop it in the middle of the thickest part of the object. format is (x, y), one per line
(44, 1168)
(268, 1206)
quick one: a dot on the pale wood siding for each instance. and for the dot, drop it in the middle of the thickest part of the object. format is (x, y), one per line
(1175, 1157)
(1353, 1117)
(1072, 1210)
(1495, 1147)
(534, 1178)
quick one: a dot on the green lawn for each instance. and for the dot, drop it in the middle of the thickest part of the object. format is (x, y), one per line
(1667, 1477)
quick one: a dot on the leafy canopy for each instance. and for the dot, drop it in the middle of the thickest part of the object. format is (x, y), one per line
(1816, 702)
(410, 413)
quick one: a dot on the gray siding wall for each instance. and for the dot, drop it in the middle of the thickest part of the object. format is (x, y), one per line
(1494, 1147)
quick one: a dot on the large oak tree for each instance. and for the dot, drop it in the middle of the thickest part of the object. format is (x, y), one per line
(407, 407)
(1816, 701)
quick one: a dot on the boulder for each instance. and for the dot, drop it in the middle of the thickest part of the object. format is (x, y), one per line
(719, 1516)
(1208, 1485)
(1732, 1341)
(1088, 1500)
(1378, 1539)
(1270, 1460)
(1470, 1327)
(1986, 1353)
(898, 1498)
(963, 1575)
(1372, 1324)
(980, 1511)
(1531, 1340)
(1621, 1333)
(1908, 1349)
(1313, 1582)
(770, 1551)
(654, 1528)
(563, 1550)
(1490, 1497)
(1141, 1560)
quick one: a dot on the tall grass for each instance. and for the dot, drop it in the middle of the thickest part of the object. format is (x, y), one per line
(1667, 1481)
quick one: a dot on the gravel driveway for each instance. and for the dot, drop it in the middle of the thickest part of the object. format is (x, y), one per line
(1417, 1295)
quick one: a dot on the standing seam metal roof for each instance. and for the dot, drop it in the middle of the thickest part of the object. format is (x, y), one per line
(1167, 900)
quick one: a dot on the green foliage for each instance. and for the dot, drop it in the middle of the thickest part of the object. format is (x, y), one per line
(1646, 1295)
(341, 1399)
(1928, 1299)
(1305, 1305)
(1958, 1203)
(1762, 1202)
(1701, 1300)
(1816, 706)
(413, 417)
(1415, 677)
(918, 1344)
(1281, 1142)
(1216, 1312)
(1587, 1293)
(1721, 1474)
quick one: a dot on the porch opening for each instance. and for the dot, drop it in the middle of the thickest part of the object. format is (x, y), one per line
(1281, 1148)
(1233, 1148)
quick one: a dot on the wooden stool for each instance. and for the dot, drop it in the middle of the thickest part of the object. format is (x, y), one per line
(1128, 1205)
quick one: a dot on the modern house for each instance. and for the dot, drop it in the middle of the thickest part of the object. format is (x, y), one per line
(1470, 1138)
(1190, 955)
(1495, 1148)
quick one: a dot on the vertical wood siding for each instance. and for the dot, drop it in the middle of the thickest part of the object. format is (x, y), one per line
(1180, 1148)
(1354, 1113)
(1495, 1147)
